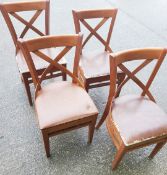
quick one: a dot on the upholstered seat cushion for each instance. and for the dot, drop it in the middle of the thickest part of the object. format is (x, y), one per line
(95, 64)
(137, 119)
(39, 63)
(62, 102)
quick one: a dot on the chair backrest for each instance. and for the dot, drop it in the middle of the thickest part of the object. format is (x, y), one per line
(12, 9)
(146, 55)
(106, 14)
(37, 45)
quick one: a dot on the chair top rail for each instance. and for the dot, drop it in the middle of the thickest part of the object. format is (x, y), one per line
(25, 6)
(87, 14)
(137, 54)
(51, 41)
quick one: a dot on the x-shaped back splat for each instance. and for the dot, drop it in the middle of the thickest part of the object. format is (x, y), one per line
(131, 75)
(55, 63)
(93, 32)
(28, 24)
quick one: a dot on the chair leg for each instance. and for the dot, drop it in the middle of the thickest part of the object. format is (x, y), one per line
(91, 130)
(64, 76)
(156, 149)
(118, 157)
(121, 77)
(46, 143)
(101, 121)
(87, 87)
(104, 116)
(28, 91)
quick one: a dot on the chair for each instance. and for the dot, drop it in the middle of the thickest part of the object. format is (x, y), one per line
(135, 121)
(10, 10)
(62, 105)
(94, 65)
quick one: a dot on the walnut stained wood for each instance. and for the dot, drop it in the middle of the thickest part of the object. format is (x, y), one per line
(52, 99)
(134, 121)
(11, 10)
(95, 79)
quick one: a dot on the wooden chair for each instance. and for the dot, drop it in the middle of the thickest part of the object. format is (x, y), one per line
(62, 105)
(135, 121)
(11, 10)
(94, 65)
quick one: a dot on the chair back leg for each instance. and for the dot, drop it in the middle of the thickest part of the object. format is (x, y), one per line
(91, 130)
(27, 87)
(64, 76)
(118, 157)
(87, 86)
(121, 77)
(156, 149)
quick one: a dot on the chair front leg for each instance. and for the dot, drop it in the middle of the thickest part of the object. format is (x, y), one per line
(46, 142)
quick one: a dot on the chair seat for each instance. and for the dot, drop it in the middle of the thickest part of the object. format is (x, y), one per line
(137, 119)
(95, 64)
(39, 63)
(62, 102)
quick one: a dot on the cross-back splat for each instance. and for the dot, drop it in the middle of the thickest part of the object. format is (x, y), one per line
(12, 9)
(35, 45)
(105, 14)
(131, 75)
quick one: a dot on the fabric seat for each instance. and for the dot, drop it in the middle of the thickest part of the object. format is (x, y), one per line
(95, 64)
(62, 102)
(39, 63)
(138, 119)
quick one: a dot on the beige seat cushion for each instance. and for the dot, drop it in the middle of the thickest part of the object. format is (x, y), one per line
(138, 119)
(62, 102)
(95, 64)
(39, 63)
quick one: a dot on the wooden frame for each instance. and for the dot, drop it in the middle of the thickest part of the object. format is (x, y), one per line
(117, 60)
(68, 42)
(11, 9)
(80, 17)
